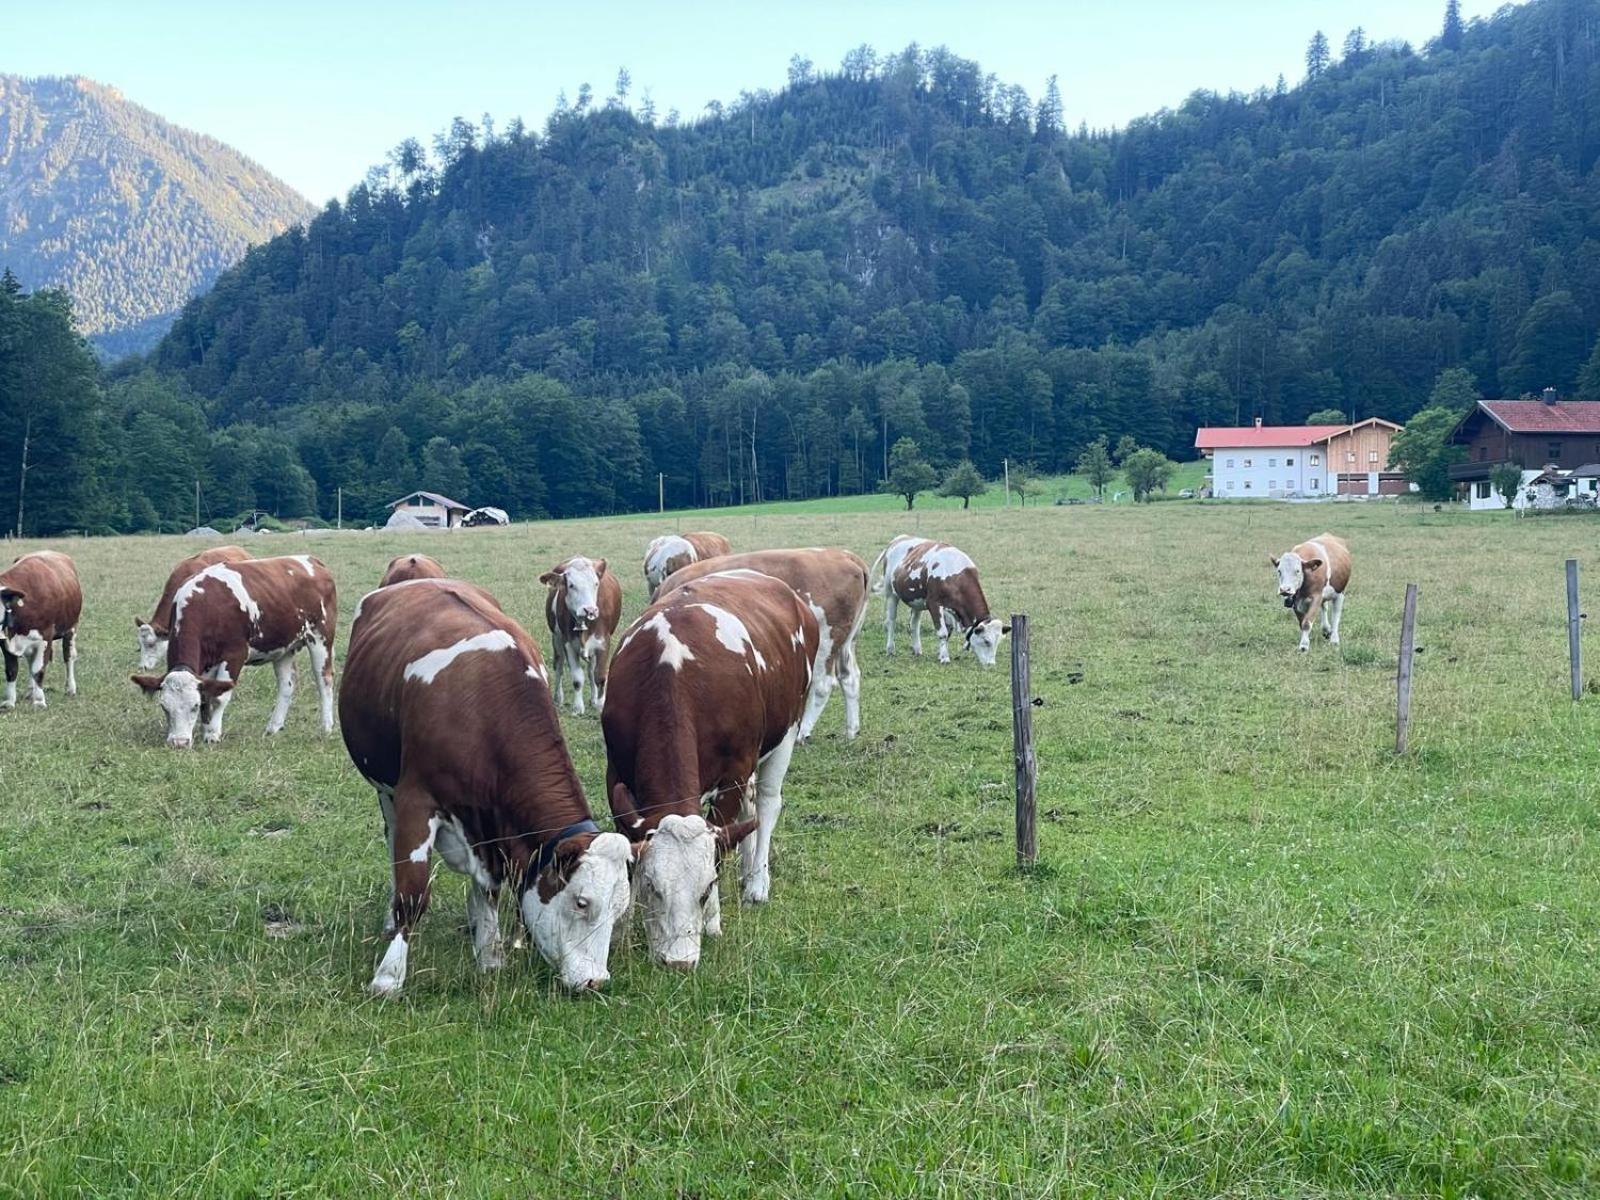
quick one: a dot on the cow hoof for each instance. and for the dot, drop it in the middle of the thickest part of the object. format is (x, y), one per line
(384, 987)
(7, 705)
(492, 961)
(756, 895)
(1333, 639)
(211, 739)
(38, 702)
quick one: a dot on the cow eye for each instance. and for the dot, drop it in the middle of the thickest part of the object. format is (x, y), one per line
(581, 902)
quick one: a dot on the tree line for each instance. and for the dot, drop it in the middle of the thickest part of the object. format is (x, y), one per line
(761, 302)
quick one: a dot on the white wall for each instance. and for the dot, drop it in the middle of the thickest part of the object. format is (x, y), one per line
(1272, 473)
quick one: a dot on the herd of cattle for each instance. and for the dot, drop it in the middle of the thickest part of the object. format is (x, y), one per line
(701, 707)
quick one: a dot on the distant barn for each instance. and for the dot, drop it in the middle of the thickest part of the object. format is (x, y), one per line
(431, 509)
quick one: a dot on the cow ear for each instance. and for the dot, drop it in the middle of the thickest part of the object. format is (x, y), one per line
(12, 597)
(1273, 559)
(149, 684)
(729, 836)
(1311, 564)
(599, 567)
(549, 577)
(1004, 629)
(161, 631)
(140, 622)
(212, 688)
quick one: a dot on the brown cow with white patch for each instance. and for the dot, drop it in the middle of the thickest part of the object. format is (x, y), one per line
(1311, 579)
(234, 615)
(936, 578)
(833, 583)
(582, 608)
(708, 689)
(40, 602)
(153, 634)
(673, 551)
(411, 566)
(446, 712)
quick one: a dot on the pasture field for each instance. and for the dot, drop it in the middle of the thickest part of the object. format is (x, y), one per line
(1260, 956)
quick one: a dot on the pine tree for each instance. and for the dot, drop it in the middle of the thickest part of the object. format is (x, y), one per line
(1049, 116)
(1450, 36)
(1317, 55)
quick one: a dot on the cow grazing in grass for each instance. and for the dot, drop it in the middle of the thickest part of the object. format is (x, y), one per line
(153, 634)
(833, 583)
(582, 608)
(674, 551)
(708, 688)
(411, 566)
(1311, 579)
(446, 711)
(40, 603)
(234, 615)
(936, 578)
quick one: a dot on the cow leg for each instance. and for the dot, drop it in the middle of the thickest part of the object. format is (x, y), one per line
(850, 680)
(211, 716)
(284, 668)
(599, 671)
(69, 653)
(769, 803)
(1307, 619)
(386, 807)
(413, 828)
(890, 603)
(575, 669)
(11, 678)
(483, 919)
(1336, 604)
(322, 671)
(916, 631)
(558, 666)
(36, 663)
(943, 626)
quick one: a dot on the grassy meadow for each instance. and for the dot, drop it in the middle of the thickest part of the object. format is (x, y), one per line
(1259, 957)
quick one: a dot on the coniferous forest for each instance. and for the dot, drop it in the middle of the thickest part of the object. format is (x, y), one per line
(761, 300)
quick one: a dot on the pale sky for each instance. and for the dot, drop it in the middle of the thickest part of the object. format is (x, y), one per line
(318, 92)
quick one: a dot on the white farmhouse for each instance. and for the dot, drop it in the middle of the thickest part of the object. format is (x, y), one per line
(1279, 462)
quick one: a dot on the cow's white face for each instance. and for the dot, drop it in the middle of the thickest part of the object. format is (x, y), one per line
(573, 927)
(1291, 575)
(985, 640)
(676, 879)
(152, 647)
(583, 589)
(179, 697)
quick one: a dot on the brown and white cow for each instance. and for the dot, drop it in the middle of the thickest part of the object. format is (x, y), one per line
(936, 578)
(40, 602)
(673, 551)
(582, 608)
(234, 615)
(833, 583)
(411, 566)
(446, 711)
(707, 692)
(1312, 578)
(153, 634)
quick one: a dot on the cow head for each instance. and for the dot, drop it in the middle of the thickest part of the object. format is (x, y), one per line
(579, 580)
(676, 884)
(152, 643)
(983, 639)
(185, 698)
(573, 907)
(1292, 572)
(11, 599)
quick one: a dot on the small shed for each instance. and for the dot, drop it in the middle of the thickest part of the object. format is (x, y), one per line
(431, 509)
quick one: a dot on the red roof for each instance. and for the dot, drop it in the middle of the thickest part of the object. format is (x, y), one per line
(1535, 416)
(1263, 436)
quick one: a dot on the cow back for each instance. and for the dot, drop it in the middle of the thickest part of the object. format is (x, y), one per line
(260, 607)
(411, 566)
(161, 620)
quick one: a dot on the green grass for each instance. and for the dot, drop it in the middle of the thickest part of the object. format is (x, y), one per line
(1260, 956)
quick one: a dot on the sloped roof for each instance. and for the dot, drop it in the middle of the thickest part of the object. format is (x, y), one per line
(435, 497)
(1535, 416)
(1263, 436)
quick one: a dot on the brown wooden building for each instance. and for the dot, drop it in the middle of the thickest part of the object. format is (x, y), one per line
(1531, 435)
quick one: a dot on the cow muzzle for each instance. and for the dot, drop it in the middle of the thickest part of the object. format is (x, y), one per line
(180, 743)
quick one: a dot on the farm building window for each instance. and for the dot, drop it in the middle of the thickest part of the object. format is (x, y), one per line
(1481, 490)
(1315, 483)
(1247, 485)
(1316, 460)
(1372, 456)
(1272, 462)
(1288, 462)
(1555, 451)
(1230, 485)
(1248, 462)
(1349, 456)
(1272, 485)
(1230, 464)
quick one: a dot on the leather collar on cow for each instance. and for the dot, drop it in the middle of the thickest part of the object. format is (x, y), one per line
(547, 851)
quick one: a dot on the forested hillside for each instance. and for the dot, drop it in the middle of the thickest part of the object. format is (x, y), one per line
(129, 213)
(762, 301)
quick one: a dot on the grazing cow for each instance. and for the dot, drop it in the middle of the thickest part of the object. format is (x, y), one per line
(411, 566)
(833, 583)
(708, 688)
(672, 551)
(234, 615)
(153, 634)
(582, 608)
(936, 578)
(40, 602)
(1311, 579)
(446, 711)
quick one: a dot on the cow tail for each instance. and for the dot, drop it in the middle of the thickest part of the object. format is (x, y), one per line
(878, 578)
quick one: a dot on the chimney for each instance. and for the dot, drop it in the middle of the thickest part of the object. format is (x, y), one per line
(1258, 422)
(1550, 396)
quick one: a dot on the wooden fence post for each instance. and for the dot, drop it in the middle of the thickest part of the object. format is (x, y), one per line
(1574, 629)
(1022, 739)
(1408, 647)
